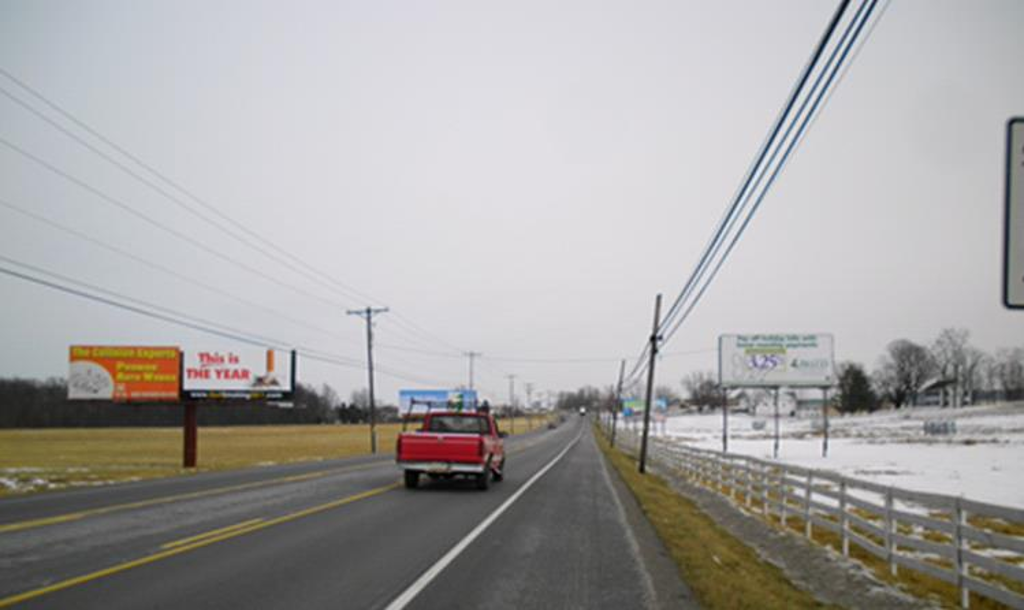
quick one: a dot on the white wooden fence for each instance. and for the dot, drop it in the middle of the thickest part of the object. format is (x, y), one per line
(959, 541)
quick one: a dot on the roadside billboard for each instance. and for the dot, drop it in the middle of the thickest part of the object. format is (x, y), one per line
(635, 406)
(792, 360)
(248, 373)
(423, 401)
(123, 373)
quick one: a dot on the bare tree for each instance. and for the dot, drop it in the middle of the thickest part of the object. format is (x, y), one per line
(902, 371)
(702, 388)
(1009, 369)
(957, 360)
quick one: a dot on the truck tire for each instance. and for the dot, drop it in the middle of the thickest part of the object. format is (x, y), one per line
(483, 480)
(499, 474)
(412, 479)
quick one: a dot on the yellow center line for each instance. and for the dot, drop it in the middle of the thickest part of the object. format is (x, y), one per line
(24, 525)
(208, 539)
(237, 526)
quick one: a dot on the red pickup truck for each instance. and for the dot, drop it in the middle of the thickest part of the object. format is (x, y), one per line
(453, 444)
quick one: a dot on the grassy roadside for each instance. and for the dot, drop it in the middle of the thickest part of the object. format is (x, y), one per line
(721, 571)
(33, 460)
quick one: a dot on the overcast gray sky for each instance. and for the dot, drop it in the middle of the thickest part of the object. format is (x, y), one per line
(518, 179)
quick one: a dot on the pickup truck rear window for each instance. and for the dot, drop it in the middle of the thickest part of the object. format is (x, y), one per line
(458, 424)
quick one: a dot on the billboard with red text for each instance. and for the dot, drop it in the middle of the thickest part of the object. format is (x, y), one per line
(248, 373)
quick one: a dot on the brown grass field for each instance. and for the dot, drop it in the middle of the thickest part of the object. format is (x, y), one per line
(57, 458)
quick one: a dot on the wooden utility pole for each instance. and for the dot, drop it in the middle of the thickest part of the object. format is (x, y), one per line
(618, 399)
(471, 356)
(650, 382)
(367, 314)
(512, 402)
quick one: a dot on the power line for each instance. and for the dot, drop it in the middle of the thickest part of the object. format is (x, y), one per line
(762, 167)
(752, 171)
(299, 266)
(849, 38)
(150, 221)
(176, 318)
(159, 267)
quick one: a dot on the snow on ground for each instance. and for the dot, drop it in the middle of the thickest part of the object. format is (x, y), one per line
(983, 460)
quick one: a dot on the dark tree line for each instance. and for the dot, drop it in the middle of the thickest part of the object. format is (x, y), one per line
(30, 403)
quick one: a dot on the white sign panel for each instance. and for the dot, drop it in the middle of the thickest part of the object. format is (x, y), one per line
(775, 360)
(237, 373)
(1013, 266)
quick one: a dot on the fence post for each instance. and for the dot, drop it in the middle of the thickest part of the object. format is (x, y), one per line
(748, 475)
(890, 528)
(783, 493)
(807, 504)
(959, 520)
(764, 490)
(844, 522)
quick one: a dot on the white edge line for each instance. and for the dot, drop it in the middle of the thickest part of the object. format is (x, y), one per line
(424, 580)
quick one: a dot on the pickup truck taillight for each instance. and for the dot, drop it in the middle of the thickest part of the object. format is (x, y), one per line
(398, 446)
(480, 446)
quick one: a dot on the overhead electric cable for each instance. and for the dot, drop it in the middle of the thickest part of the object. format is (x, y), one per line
(163, 268)
(150, 221)
(857, 27)
(766, 145)
(299, 266)
(186, 320)
(841, 50)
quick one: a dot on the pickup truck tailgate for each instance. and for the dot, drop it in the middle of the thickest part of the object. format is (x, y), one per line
(431, 447)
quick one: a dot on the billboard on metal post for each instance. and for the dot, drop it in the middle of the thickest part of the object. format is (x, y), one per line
(123, 373)
(424, 401)
(250, 374)
(797, 360)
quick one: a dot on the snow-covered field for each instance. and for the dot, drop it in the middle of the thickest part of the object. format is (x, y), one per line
(983, 460)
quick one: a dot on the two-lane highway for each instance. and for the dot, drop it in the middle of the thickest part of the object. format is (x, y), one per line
(341, 534)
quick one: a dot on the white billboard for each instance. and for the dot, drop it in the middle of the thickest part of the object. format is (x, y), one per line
(776, 360)
(249, 373)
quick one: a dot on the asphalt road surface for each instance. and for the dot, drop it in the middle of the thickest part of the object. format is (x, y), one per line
(559, 532)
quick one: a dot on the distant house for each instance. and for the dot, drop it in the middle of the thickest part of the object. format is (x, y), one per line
(939, 392)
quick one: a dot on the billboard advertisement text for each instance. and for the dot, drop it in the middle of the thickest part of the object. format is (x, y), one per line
(123, 373)
(776, 360)
(238, 373)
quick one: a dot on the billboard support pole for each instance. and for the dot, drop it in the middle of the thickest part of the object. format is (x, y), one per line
(618, 399)
(191, 434)
(725, 420)
(824, 414)
(775, 450)
(650, 382)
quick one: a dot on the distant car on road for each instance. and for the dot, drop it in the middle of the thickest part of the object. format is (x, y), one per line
(451, 444)
(583, 411)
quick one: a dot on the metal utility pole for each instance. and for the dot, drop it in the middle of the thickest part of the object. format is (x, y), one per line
(650, 383)
(471, 356)
(512, 402)
(367, 314)
(618, 399)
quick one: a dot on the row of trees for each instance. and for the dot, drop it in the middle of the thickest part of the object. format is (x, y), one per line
(28, 403)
